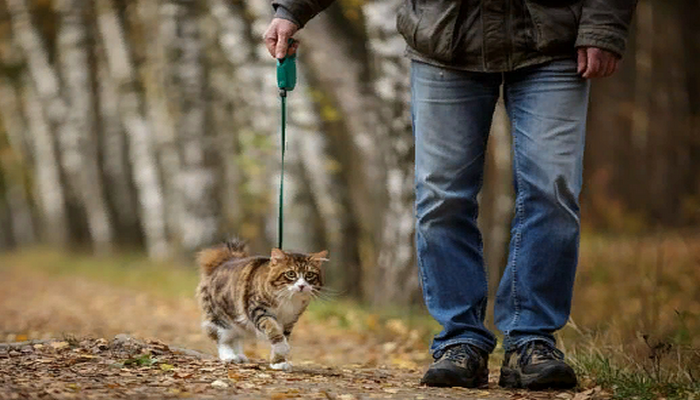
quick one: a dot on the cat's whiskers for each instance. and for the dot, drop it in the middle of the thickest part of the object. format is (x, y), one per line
(323, 295)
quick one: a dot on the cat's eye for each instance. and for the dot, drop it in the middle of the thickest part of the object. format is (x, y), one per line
(310, 276)
(290, 275)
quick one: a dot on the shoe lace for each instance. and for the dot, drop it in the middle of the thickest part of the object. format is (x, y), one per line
(543, 351)
(460, 353)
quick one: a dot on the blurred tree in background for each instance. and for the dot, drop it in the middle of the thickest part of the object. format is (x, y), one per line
(155, 124)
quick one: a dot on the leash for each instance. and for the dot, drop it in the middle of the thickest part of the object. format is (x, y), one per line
(286, 80)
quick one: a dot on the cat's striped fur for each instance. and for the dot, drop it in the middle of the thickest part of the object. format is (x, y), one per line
(240, 294)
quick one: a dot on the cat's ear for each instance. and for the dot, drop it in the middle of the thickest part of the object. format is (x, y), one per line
(277, 255)
(320, 256)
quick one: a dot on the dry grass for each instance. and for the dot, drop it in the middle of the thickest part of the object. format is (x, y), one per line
(635, 324)
(636, 319)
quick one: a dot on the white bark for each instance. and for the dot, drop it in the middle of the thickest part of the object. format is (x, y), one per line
(48, 176)
(114, 149)
(160, 28)
(339, 76)
(77, 133)
(311, 149)
(232, 32)
(199, 224)
(43, 76)
(397, 280)
(141, 151)
(227, 49)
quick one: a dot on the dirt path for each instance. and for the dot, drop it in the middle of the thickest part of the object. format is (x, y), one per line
(76, 320)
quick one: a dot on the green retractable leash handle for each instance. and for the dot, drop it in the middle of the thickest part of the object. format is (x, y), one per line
(286, 80)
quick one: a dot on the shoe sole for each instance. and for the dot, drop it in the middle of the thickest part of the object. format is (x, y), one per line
(447, 378)
(555, 378)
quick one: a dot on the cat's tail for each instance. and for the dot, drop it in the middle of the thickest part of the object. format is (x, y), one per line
(210, 259)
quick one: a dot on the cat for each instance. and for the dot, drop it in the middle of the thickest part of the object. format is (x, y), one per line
(240, 294)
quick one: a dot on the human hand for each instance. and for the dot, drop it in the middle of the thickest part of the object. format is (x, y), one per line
(277, 35)
(596, 63)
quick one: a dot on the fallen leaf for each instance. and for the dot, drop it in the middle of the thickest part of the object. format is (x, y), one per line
(391, 390)
(166, 367)
(219, 384)
(73, 386)
(59, 345)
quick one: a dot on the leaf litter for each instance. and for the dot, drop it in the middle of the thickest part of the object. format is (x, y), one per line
(61, 341)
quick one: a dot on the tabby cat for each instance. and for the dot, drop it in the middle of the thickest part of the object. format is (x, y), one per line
(240, 294)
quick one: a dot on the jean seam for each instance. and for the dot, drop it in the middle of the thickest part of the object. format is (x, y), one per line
(518, 227)
(532, 338)
(437, 352)
(481, 239)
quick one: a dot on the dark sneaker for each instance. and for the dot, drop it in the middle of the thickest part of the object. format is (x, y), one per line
(536, 365)
(460, 365)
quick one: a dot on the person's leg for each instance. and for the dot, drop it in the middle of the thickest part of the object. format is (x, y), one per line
(547, 106)
(451, 112)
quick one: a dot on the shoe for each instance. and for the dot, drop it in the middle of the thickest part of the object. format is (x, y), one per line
(460, 365)
(536, 365)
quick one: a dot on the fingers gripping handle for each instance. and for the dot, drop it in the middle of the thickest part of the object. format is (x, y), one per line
(287, 72)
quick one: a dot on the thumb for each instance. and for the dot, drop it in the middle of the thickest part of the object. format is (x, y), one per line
(582, 60)
(281, 49)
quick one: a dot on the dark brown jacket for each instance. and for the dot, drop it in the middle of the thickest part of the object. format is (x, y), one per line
(496, 35)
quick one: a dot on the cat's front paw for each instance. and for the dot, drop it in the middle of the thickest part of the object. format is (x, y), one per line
(227, 354)
(236, 359)
(280, 349)
(282, 366)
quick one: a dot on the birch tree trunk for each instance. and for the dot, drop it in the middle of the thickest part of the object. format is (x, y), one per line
(200, 223)
(115, 155)
(42, 87)
(13, 164)
(328, 197)
(141, 151)
(397, 280)
(77, 132)
(48, 175)
(336, 72)
(228, 49)
(160, 28)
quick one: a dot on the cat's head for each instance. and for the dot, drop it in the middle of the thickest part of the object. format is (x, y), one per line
(295, 273)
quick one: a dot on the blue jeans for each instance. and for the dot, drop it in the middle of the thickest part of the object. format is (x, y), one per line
(452, 112)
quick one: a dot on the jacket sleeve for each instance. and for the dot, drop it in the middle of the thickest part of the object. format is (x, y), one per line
(605, 24)
(299, 11)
